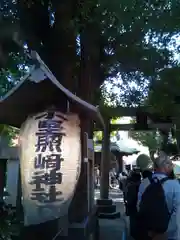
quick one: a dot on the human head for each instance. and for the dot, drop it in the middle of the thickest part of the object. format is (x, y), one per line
(124, 174)
(135, 176)
(163, 164)
(146, 173)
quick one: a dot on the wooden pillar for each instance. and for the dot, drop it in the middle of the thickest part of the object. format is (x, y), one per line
(80, 199)
(105, 162)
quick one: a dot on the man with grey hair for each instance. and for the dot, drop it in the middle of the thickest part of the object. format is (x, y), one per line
(163, 168)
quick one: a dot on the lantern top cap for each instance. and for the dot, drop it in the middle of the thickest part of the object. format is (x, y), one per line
(38, 90)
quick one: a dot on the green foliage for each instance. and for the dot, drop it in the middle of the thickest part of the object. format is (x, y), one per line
(170, 148)
(98, 135)
(133, 37)
(147, 139)
(7, 134)
(165, 93)
(141, 46)
(133, 42)
(8, 222)
(16, 68)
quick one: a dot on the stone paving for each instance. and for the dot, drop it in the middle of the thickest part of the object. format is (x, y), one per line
(116, 229)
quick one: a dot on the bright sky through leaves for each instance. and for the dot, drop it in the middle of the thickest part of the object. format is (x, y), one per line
(115, 90)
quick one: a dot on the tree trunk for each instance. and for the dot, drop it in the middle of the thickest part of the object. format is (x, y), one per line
(56, 42)
(62, 56)
(89, 70)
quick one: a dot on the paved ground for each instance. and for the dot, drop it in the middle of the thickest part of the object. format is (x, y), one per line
(114, 229)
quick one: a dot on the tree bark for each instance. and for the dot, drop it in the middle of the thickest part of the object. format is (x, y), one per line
(89, 76)
(56, 42)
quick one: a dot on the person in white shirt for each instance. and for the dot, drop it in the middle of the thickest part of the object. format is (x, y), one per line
(163, 167)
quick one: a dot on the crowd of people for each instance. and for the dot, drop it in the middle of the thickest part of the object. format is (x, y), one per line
(152, 201)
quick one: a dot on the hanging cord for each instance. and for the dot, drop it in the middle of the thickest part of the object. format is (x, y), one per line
(57, 234)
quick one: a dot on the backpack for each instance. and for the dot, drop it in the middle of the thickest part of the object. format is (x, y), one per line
(153, 213)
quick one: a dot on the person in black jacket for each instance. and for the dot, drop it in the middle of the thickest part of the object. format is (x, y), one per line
(131, 198)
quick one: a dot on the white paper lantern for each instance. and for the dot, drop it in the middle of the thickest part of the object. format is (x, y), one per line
(50, 158)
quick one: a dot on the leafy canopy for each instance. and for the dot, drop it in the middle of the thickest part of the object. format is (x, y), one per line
(164, 97)
(133, 35)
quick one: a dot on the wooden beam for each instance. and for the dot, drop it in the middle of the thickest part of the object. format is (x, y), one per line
(122, 111)
(128, 127)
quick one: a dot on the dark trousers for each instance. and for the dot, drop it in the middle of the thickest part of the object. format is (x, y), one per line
(136, 232)
(133, 226)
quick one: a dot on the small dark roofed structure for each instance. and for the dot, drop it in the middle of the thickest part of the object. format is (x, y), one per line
(118, 150)
(38, 90)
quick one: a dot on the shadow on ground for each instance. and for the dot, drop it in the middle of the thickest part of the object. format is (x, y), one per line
(115, 229)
